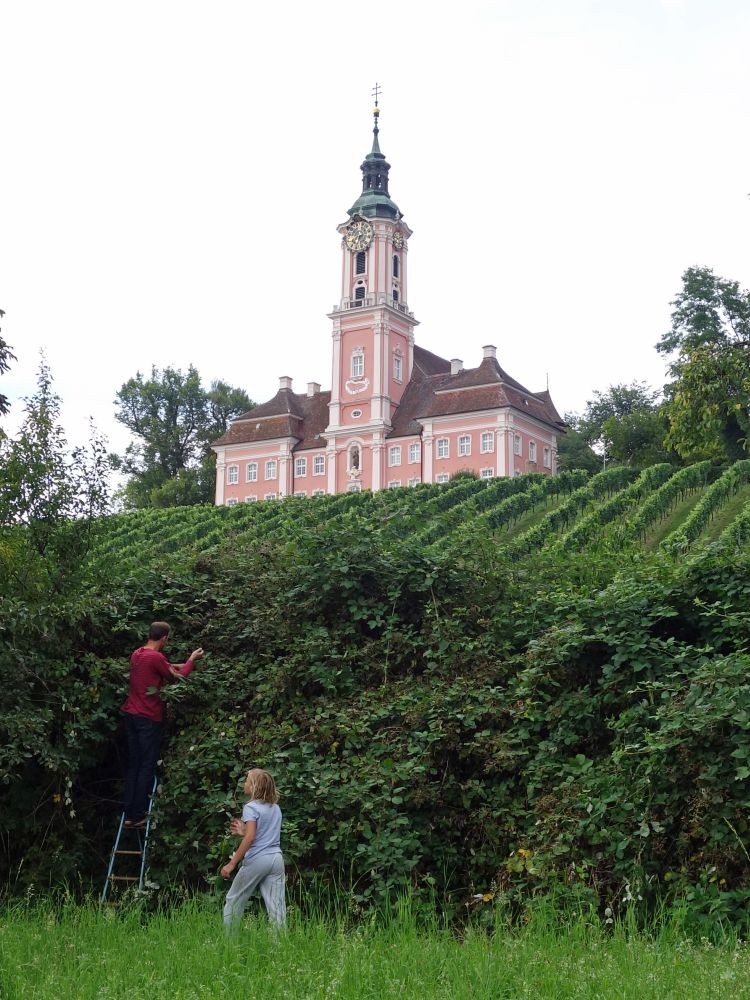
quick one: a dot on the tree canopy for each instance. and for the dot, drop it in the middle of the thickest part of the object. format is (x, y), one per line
(50, 495)
(625, 423)
(6, 356)
(708, 398)
(174, 420)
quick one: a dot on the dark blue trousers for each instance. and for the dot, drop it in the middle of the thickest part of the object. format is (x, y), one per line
(144, 745)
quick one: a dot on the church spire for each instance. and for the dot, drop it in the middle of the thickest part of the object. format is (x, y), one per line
(375, 200)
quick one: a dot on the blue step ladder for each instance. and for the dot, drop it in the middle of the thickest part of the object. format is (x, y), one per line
(141, 834)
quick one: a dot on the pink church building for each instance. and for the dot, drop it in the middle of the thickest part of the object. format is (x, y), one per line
(396, 414)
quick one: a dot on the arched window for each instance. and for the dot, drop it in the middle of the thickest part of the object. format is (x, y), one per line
(361, 263)
(395, 294)
(395, 265)
(359, 293)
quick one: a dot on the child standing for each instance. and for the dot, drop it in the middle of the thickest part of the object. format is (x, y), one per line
(259, 851)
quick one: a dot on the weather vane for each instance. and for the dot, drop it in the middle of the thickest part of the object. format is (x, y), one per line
(376, 90)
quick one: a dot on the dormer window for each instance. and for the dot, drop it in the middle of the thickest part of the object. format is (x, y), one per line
(395, 265)
(361, 263)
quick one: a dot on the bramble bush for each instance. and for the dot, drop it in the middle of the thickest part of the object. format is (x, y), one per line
(458, 719)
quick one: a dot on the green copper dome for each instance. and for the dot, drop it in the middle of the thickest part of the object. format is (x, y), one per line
(375, 202)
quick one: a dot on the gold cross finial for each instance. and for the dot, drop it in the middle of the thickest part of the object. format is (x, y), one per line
(376, 92)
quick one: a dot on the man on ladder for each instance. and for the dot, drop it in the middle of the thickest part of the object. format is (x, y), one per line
(143, 712)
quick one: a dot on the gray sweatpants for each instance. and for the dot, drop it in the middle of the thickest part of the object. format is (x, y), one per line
(264, 872)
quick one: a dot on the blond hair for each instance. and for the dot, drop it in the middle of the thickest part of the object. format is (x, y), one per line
(259, 785)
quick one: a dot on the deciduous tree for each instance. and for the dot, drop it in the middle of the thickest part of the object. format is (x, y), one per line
(627, 423)
(708, 399)
(6, 356)
(50, 496)
(174, 420)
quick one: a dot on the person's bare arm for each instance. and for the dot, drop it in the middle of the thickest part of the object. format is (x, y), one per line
(180, 673)
(244, 846)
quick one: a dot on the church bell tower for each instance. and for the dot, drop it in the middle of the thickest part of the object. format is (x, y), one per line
(373, 330)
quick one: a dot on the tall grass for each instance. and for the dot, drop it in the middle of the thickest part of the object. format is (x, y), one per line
(82, 951)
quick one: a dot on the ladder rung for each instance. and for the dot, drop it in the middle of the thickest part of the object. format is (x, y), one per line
(124, 878)
(129, 852)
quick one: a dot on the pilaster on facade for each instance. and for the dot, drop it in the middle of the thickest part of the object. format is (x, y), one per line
(427, 451)
(377, 466)
(331, 465)
(285, 472)
(220, 478)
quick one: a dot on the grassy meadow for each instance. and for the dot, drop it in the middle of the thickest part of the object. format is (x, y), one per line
(87, 952)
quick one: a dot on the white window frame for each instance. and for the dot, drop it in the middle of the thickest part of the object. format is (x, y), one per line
(232, 502)
(300, 493)
(394, 484)
(532, 451)
(464, 445)
(486, 473)
(319, 460)
(233, 475)
(398, 368)
(394, 455)
(271, 462)
(251, 472)
(547, 458)
(318, 493)
(443, 477)
(251, 499)
(517, 445)
(414, 482)
(443, 448)
(358, 364)
(300, 468)
(488, 437)
(415, 452)
(269, 496)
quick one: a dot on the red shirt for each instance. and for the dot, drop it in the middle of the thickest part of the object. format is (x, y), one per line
(150, 669)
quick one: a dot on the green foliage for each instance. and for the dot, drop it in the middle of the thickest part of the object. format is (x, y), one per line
(660, 503)
(174, 420)
(408, 953)
(713, 499)
(574, 450)
(708, 399)
(587, 526)
(519, 720)
(627, 423)
(49, 496)
(6, 356)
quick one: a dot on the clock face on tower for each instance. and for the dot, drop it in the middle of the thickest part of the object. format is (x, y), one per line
(359, 235)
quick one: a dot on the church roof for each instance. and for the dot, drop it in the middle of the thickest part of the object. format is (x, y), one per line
(432, 392)
(429, 363)
(435, 392)
(287, 414)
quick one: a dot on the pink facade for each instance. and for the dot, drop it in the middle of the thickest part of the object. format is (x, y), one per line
(396, 414)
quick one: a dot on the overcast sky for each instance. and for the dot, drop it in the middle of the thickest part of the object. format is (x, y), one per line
(172, 175)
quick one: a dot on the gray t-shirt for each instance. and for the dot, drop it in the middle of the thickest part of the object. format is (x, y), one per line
(267, 818)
